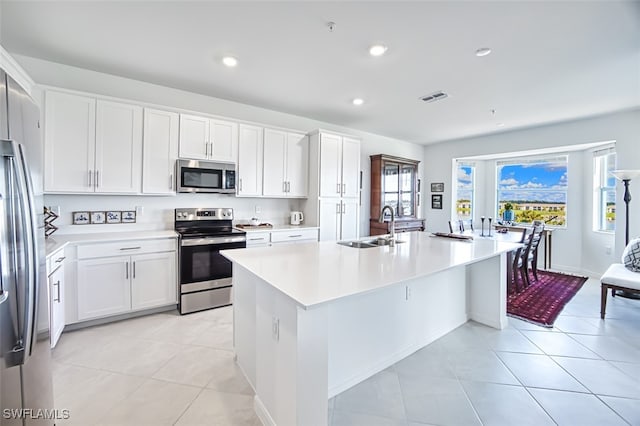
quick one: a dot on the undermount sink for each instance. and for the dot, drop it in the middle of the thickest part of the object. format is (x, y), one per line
(376, 242)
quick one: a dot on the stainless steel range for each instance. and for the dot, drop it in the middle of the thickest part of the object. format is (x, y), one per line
(205, 275)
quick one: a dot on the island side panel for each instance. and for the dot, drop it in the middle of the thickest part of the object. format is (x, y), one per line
(244, 321)
(372, 331)
(487, 282)
(291, 360)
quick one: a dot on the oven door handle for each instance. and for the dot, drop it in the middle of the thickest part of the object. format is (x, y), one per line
(211, 240)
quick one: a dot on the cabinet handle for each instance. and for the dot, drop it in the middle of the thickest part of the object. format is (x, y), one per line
(344, 188)
(210, 149)
(90, 177)
(60, 259)
(130, 248)
(171, 181)
(126, 271)
(288, 186)
(337, 208)
(295, 236)
(206, 148)
(284, 186)
(97, 178)
(343, 208)
(337, 188)
(256, 239)
(418, 199)
(58, 291)
(134, 270)
(240, 184)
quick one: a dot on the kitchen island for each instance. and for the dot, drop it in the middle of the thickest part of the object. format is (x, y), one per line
(312, 320)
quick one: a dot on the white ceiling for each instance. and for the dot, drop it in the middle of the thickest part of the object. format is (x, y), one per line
(551, 61)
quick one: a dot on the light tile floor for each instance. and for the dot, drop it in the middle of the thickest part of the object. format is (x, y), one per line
(165, 369)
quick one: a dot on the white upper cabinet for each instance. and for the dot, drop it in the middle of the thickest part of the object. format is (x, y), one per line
(339, 166)
(203, 138)
(194, 137)
(92, 145)
(250, 148)
(69, 149)
(160, 151)
(286, 159)
(118, 148)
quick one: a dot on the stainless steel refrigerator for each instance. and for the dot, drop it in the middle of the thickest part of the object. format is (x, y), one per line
(26, 390)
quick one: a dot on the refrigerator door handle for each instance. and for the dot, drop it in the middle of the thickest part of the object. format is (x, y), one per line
(19, 169)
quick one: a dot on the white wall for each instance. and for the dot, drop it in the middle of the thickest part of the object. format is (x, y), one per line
(54, 74)
(578, 248)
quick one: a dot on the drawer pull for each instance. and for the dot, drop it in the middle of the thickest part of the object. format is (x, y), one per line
(130, 248)
(60, 259)
(256, 239)
(295, 236)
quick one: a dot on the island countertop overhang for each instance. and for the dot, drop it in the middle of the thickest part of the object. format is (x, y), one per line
(315, 273)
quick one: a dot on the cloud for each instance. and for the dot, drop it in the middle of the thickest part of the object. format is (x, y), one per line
(463, 175)
(531, 185)
(510, 181)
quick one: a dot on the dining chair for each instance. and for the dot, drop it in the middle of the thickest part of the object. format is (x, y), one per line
(454, 226)
(532, 259)
(466, 225)
(520, 262)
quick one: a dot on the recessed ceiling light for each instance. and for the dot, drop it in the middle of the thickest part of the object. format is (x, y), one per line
(230, 61)
(377, 50)
(483, 51)
(357, 101)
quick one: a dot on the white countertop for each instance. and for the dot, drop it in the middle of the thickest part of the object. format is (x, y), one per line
(54, 243)
(276, 228)
(314, 273)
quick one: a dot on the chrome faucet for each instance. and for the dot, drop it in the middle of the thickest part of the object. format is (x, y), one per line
(392, 240)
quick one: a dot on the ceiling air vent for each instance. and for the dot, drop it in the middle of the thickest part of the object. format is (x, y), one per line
(435, 96)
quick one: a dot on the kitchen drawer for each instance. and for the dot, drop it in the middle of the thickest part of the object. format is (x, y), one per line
(258, 238)
(294, 235)
(125, 248)
(55, 260)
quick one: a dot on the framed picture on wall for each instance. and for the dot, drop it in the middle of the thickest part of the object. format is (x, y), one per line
(437, 186)
(436, 201)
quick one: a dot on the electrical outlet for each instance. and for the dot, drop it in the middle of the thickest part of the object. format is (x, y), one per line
(257, 209)
(275, 328)
(139, 210)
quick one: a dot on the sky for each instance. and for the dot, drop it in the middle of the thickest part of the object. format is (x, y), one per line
(542, 181)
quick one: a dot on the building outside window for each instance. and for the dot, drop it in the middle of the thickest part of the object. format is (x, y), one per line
(535, 187)
(465, 190)
(604, 184)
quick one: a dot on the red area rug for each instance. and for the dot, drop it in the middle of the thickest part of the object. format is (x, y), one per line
(543, 300)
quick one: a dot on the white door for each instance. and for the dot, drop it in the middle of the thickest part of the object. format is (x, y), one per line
(153, 280)
(250, 161)
(350, 167)
(330, 219)
(194, 137)
(330, 165)
(224, 141)
(160, 141)
(104, 287)
(273, 179)
(69, 149)
(56, 295)
(349, 219)
(297, 165)
(118, 148)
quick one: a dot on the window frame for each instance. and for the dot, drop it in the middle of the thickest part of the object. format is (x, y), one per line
(600, 189)
(538, 159)
(472, 165)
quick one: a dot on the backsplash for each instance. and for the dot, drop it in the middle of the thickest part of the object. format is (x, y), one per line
(156, 212)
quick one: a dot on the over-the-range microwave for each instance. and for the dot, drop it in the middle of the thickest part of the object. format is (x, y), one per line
(205, 176)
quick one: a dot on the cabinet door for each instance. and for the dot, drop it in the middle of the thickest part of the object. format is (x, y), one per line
(153, 280)
(273, 178)
(103, 287)
(224, 141)
(350, 167)
(194, 137)
(160, 141)
(69, 142)
(349, 219)
(330, 219)
(330, 165)
(297, 165)
(250, 161)
(56, 303)
(118, 148)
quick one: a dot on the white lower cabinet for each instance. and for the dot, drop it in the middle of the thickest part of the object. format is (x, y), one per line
(339, 218)
(111, 283)
(55, 273)
(258, 239)
(294, 235)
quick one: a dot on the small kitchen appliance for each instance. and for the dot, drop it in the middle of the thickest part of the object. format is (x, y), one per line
(296, 218)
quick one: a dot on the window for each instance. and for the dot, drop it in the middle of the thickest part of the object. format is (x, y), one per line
(536, 188)
(464, 190)
(604, 184)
